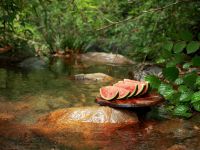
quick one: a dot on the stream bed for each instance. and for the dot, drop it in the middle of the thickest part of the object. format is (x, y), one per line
(26, 95)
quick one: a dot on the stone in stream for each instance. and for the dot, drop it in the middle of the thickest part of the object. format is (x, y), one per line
(104, 58)
(33, 63)
(93, 77)
(88, 127)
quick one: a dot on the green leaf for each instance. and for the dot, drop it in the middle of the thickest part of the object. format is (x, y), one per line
(183, 89)
(179, 81)
(198, 80)
(166, 90)
(196, 61)
(192, 47)
(190, 79)
(196, 106)
(160, 60)
(168, 45)
(187, 65)
(178, 47)
(182, 110)
(196, 97)
(170, 73)
(185, 97)
(186, 35)
(153, 80)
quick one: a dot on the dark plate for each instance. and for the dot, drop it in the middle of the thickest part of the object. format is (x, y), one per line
(144, 101)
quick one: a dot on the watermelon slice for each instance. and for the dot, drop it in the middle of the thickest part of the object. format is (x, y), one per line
(109, 92)
(123, 93)
(142, 86)
(131, 88)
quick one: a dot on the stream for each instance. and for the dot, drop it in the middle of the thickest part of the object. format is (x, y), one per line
(26, 95)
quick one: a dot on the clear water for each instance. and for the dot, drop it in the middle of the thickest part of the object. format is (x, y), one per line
(31, 94)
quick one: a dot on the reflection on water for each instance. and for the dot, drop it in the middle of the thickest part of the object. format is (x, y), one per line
(29, 94)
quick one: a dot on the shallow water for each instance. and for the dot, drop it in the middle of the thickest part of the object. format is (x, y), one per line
(30, 94)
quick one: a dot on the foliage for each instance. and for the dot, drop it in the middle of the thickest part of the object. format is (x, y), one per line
(181, 86)
(134, 28)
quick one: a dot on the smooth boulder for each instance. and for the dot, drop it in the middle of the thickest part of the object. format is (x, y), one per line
(86, 127)
(104, 58)
(93, 77)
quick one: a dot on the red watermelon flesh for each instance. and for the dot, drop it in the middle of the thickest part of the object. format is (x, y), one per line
(109, 92)
(142, 86)
(131, 88)
(123, 93)
(145, 82)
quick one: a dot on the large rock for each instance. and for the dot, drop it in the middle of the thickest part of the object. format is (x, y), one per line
(87, 127)
(33, 63)
(93, 77)
(143, 71)
(104, 58)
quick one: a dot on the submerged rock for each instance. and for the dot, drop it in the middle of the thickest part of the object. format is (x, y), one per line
(86, 126)
(104, 58)
(33, 63)
(93, 77)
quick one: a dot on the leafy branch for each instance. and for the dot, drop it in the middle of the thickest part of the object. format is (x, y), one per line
(143, 13)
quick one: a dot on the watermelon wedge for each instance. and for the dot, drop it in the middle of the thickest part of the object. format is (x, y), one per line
(123, 93)
(131, 88)
(143, 86)
(109, 92)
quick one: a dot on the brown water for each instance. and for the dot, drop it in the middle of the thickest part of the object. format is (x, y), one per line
(27, 95)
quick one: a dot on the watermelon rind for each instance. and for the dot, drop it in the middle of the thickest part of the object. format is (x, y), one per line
(143, 90)
(133, 92)
(115, 94)
(126, 86)
(140, 90)
(146, 88)
(124, 94)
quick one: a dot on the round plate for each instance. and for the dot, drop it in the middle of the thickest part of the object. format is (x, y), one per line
(145, 101)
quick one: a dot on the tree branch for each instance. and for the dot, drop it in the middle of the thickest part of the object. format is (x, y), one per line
(143, 13)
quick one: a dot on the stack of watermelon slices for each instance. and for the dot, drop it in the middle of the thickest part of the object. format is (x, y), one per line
(124, 89)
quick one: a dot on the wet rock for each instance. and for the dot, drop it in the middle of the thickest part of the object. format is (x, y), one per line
(104, 58)
(33, 63)
(177, 147)
(14, 131)
(146, 70)
(178, 129)
(93, 77)
(6, 117)
(90, 127)
(13, 109)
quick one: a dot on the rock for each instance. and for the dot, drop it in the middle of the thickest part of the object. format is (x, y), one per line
(93, 77)
(177, 147)
(6, 117)
(87, 127)
(104, 58)
(33, 63)
(177, 128)
(147, 70)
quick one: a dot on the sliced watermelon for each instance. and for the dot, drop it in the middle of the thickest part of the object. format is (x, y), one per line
(123, 93)
(131, 88)
(143, 86)
(146, 87)
(109, 92)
